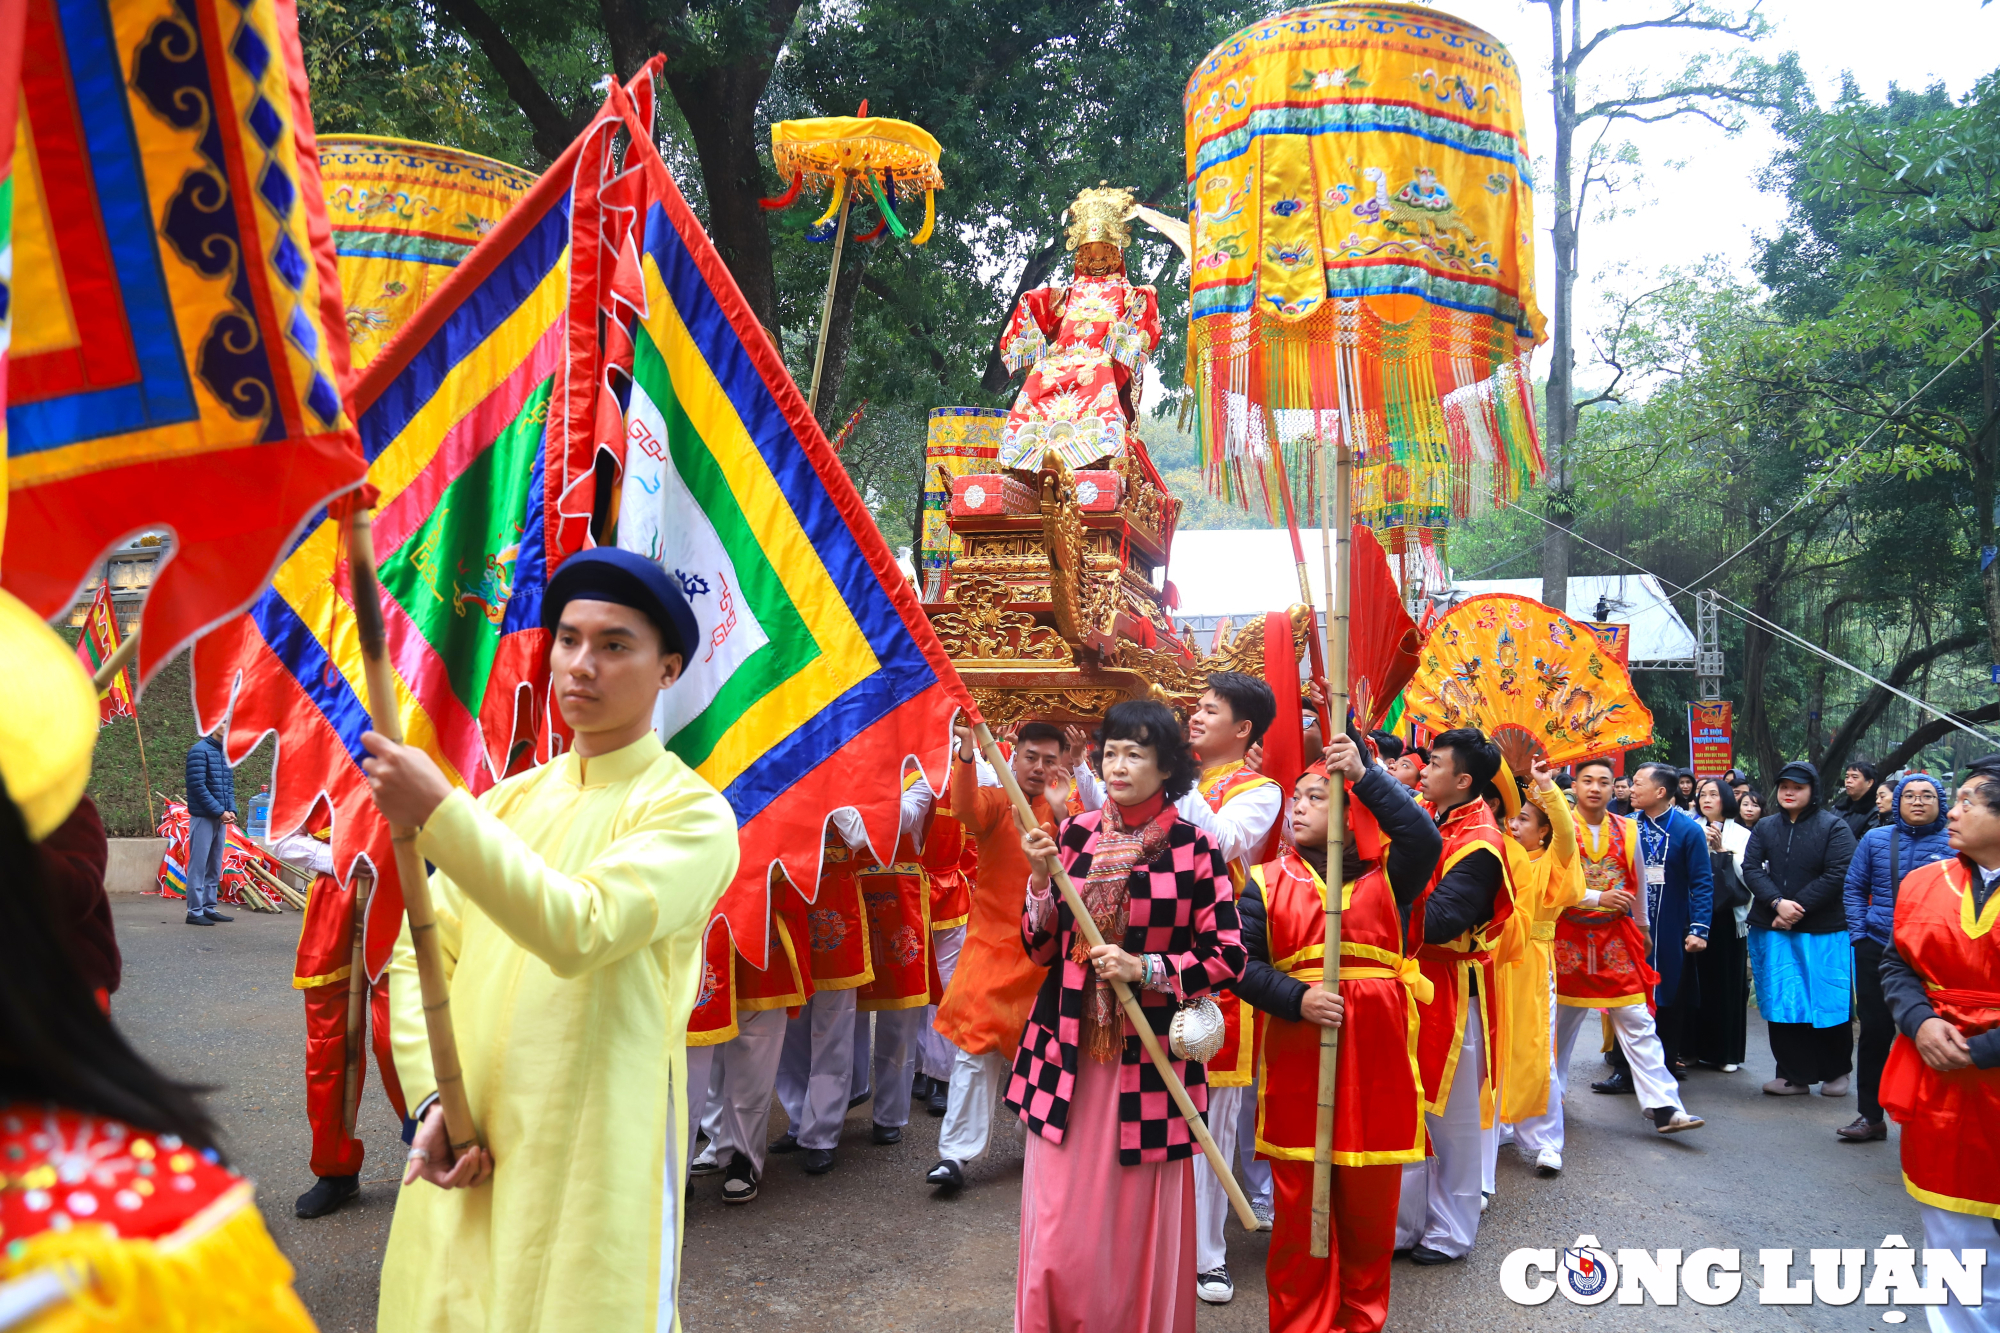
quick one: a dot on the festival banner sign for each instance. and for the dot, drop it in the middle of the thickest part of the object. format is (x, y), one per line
(468, 420)
(178, 347)
(818, 675)
(1710, 744)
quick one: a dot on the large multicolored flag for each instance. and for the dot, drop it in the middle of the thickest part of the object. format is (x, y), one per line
(101, 639)
(473, 425)
(178, 345)
(819, 675)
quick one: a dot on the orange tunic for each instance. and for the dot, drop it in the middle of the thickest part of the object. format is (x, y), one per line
(1451, 967)
(1378, 1117)
(993, 989)
(1951, 1121)
(1234, 1065)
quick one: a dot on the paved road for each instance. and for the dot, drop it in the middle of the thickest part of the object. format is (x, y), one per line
(868, 1247)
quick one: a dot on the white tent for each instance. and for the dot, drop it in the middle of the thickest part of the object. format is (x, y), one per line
(1240, 574)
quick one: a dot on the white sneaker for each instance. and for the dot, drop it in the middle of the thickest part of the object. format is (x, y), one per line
(1263, 1214)
(1215, 1287)
(1548, 1162)
(1484, 1199)
(1834, 1087)
(704, 1163)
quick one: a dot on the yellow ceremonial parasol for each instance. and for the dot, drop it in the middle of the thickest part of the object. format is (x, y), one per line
(890, 159)
(1362, 236)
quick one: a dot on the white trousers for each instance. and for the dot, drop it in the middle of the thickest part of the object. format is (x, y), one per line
(744, 1072)
(1254, 1175)
(1449, 1182)
(976, 1084)
(1965, 1231)
(701, 1070)
(1211, 1200)
(934, 1052)
(896, 1035)
(816, 1070)
(1633, 1025)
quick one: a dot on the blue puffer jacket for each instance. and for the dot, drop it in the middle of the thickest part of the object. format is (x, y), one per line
(1870, 897)
(211, 787)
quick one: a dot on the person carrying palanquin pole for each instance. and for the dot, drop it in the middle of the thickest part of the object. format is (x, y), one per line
(323, 970)
(1084, 346)
(1452, 928)
(1107, 1197)
(571, 903)
(1941, 978)
(1392, 848)
(994, 986)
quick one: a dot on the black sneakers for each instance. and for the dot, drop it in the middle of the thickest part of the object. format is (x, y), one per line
(327, 1194)
(197, 919)
(739, 1181)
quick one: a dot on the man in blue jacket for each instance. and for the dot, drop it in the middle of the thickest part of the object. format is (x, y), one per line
(1917, 837)
(211, 797)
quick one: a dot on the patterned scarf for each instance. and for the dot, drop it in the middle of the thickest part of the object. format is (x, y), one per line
(1107, 895)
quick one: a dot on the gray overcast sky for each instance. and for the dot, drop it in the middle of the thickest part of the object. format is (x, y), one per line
(1711, 205)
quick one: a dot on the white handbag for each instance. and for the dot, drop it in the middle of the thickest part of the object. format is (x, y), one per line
(1196, 1033)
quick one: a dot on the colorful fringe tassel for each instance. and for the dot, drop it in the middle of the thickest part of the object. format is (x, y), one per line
(1437, 409)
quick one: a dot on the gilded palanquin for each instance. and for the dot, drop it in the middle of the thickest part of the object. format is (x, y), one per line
(1049, 609)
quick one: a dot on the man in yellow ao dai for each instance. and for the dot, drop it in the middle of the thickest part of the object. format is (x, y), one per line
(570, 903)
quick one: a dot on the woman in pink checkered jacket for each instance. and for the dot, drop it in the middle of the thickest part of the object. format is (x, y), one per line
(1107, 1198)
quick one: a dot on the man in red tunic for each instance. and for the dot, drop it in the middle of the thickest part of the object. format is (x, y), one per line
(1392, 848)
(323, 971)
(1453, 926)
(1941, 977)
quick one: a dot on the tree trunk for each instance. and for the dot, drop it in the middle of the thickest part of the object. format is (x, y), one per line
(1560, 425)
(1758, 645)
(720, 104)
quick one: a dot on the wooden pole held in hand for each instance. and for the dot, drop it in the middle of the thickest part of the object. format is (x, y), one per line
(826, 306)
(1337, 568)
(386, 718)
(357, 1004)
(1024, 815)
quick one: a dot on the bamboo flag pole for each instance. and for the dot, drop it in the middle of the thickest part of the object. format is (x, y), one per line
(357, 1004)
(145, 774)
(1025, 816)
(386, 718)
(127, 648)
(1337, 567)
(826, 306)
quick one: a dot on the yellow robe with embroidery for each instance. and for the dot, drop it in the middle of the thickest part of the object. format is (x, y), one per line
(570, 903)
(1545, 883)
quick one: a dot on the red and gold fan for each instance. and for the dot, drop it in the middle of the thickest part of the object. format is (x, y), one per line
(1535, 681)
